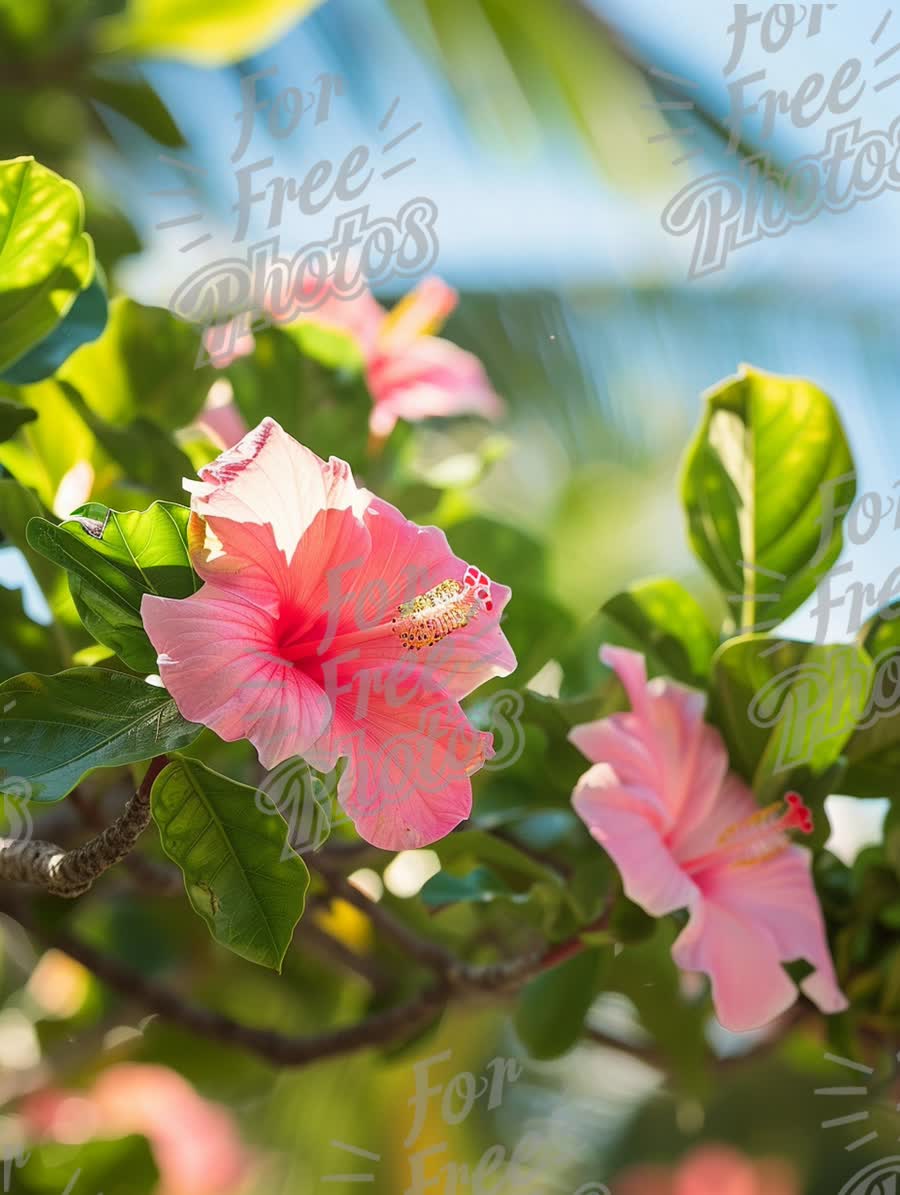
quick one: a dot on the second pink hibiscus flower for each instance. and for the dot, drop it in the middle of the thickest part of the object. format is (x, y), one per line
(686, 833)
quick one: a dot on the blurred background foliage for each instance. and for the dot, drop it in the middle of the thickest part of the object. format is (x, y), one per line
(534, 144)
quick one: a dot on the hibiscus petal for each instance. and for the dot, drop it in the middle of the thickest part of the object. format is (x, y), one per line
(430, 378)
(411, 754)
(267, 478)
(663, 743)
(626, 822)
(217, 659)
(220, 418)
(779, 894)
(749, 985)
(416, 315)
(407, 560)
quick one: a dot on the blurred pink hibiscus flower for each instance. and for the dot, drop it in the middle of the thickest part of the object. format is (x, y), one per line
(195, 1143)
(330, 626)
(710, 1170)
(411, 373)
(686, 833)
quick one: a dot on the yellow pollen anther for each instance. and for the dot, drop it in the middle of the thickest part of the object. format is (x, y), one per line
(432, 616)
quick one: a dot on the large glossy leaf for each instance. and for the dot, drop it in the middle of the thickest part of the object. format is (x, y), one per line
(208, 31)
(669, 623)
(113, 558)
(56, 729)
(240, 875)
(46, 259)
(766, 483)
(783, 705)
(143, 366)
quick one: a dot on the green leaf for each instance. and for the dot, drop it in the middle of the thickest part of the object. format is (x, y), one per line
(329, 346)
(84, 322)
(783, 705)
(58, 728)
(12, 416)
(143, 366)
(212, 32)
(46, 259)
(129, 94)
(240, 874)
(18, 505)
(501, 871)
(551, 1011)
(44, 451)
(322, 408)
(645, 973)
(873, 752)
(669, 623)
(505, 857)
(146, 452)
(766, 483)
(25, 644)
(480, 885)
(113, 558)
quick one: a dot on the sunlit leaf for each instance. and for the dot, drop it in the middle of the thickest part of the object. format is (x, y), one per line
(208, 31)
(44, 451)
(144, 365)
(669, 623)
(113, 558)
(873, 751)
(46, 259)
(767, 481)
(784, 705)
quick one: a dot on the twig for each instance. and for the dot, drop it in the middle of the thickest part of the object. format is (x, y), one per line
(380, 1029)
(460, 981)
(156, 877)
(72, 873)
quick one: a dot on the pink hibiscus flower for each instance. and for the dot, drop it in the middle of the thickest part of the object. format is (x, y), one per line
(411, 373)
(330, 626)
(686, 833)
(711, 1170)
(195, 1143)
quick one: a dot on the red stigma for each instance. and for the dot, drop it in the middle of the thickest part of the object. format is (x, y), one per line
(799, 815)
